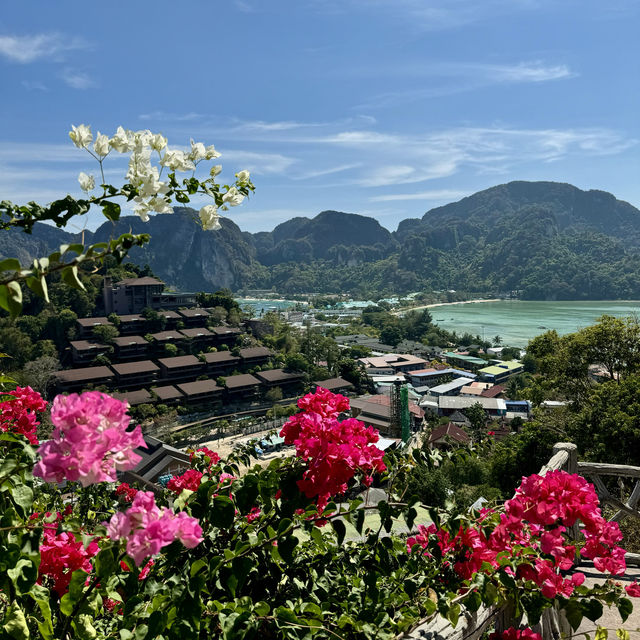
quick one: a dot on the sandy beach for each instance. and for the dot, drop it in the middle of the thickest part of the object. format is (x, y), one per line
(446, 304)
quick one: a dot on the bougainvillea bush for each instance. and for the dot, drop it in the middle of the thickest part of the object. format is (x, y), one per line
(231, 550)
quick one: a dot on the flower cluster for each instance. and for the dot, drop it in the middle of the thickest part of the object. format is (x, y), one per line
(190, 480)
(152, 193)
(516, 634)
(126, 492)
(90, 441)
(148, 528)
(535, 519)
(205, 455)
(18, 412)
(61, 554)
(334, 450)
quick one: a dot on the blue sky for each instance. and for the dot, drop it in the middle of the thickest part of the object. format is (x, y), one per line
(385, 108)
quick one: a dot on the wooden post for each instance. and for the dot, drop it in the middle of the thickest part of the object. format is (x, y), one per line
(571, 465)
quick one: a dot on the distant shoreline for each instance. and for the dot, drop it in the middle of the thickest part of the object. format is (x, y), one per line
(448, 304)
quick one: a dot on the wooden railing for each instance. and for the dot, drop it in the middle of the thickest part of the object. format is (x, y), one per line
(553, 625)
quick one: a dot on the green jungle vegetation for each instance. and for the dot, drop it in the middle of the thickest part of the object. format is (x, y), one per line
(544, 240)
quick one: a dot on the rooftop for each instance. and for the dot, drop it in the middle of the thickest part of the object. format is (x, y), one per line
(164, 336)
(241, 380)
(131, 368)
(199, 332)
(133, 317)
(168, 392)
(278, 375)
(88, 373)
(458, 383)
(220, 356)
(93, 322)
(449, 430)
(86, 345)
(193, 313)
(139, 282)
(256, 352)
(179, 361)
(142, 396)
(126, 341)
(333, 383)
(199, 387)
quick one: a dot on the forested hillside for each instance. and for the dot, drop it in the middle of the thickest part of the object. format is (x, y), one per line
(546, 240)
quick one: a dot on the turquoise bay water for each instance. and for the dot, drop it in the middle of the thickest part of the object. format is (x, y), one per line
(517, 321)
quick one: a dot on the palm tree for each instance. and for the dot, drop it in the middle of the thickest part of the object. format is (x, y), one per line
(497, 341)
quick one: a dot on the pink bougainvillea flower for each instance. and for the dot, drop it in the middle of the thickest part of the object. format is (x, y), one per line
(126, 492)
(190, 480)
(148, 528)
(516, 634)
(90, 441)
(335, 451)
(633, 589)
(18, 412)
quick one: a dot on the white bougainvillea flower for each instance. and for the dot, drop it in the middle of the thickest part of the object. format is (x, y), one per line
(101, 145)
(210, 218)
(243, 176)
(198, 152)
(215, 170)
(160, 205)
(122, 141)
(87, 183)
(210, 153)
(233, 197)
(81, 136)
(176, 160)
(158, 142)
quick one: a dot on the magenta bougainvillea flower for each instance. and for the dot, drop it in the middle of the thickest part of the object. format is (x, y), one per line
(90, 441)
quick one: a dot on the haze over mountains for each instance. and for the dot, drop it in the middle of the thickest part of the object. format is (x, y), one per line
(547, 240)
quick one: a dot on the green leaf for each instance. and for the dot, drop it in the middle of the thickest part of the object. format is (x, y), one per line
(83, 627)
(111, 210)
(601, 633)
(23, 575)
(592, 609)
(39, 286)
(11, 298)
(453, 614)
(10, 264)
(340, 529)
(23, 497)
(622, 634)
(223, 512)
(41, 597)
(286, 547)
(15, 624)
(573, 613)
(285, 523)
(70, 277)
(625, 607)
(105, 563)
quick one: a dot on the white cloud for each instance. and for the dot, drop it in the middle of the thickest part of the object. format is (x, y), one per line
(318, 173)
(257, 163)
(177, 117)
(434, 194)
(29, 48)
(34, 85)
(78, 79)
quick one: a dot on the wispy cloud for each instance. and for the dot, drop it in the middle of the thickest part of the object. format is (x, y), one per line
(34, 85)
(310, 175)
(29, 48)
(175, 117)
(258, 163)
(434, 194)
(443, 79)
(78, 79)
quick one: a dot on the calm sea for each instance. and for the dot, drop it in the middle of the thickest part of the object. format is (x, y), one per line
(261, 306)
(517, 321)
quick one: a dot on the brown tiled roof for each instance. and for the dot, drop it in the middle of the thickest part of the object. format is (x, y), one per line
(383, 400)
(87, 374)
(255, 352)
(193, 313)
(87, 345)
(196, 333)
(164, 336)
(333, 383)
(220, 356)
(170, 315)
(278, 375)
(226, 331)
(449, 430)
(141, 396)
(198, 387)
(125, 341)
(134, 317)
(93, 322)
(242, 380)
(139, 282)
(139, 366)
(168, 392)
(493, 392)
(179, 361)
